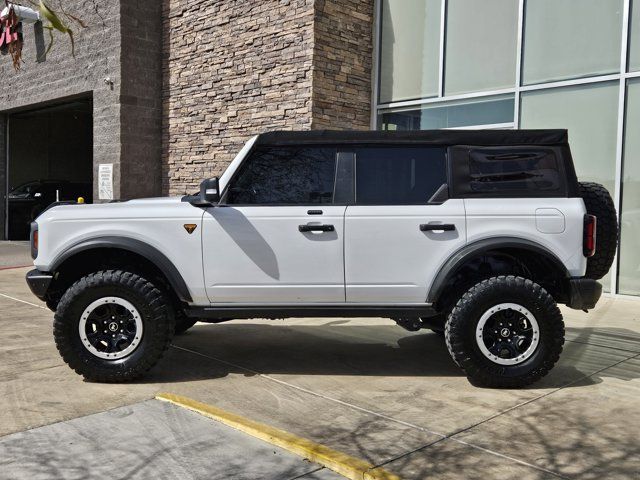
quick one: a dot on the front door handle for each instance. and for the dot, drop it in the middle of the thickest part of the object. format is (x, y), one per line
(430, 227)
(316, 228)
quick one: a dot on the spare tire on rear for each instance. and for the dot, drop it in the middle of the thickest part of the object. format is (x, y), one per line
(598, 202)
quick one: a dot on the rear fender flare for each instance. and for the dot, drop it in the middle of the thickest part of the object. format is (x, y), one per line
(481, 247)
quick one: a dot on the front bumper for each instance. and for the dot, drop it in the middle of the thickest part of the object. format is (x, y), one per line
(584, 293)
(39, 282)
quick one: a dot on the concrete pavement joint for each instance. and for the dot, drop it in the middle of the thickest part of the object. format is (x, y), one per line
(410, 425)
(302, 475)
(527, 402)
(602, 346)
(311, 392)
(346, 465)
(23, 301)
(407, 424)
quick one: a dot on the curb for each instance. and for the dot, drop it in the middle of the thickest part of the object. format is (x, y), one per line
(345, 465)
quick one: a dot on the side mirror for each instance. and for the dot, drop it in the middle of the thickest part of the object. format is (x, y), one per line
(209, 191)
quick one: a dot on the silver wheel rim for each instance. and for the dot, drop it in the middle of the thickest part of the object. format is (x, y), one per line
(110, 328)
(495, 335)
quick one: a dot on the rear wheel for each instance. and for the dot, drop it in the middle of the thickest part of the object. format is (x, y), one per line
(113, 326)
(505, 331)
(598, 202)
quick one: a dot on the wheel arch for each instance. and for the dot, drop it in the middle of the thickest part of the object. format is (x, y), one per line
(137, 247)
(501, 245)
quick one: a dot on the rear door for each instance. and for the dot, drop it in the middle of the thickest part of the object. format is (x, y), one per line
(397, 234)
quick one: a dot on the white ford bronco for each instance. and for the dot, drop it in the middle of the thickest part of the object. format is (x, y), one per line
(476, 235)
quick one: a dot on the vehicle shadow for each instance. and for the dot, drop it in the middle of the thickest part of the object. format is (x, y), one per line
(337, 349)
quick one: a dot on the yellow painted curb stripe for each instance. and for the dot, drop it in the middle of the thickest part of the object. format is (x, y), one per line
(339, 462)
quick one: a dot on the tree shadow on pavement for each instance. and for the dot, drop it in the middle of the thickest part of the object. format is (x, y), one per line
(342, 349)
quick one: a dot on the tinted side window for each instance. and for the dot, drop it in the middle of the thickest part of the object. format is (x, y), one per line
(399, 175)
(285, 175)
(513, 171)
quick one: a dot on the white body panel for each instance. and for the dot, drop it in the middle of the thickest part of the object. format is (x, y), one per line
(256, 255)
(156, 222)
(517, 217)
(388, 259)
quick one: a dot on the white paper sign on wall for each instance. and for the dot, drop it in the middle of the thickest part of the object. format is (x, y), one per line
(105, 181)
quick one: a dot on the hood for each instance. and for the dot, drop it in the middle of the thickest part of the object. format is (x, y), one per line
(138, 208)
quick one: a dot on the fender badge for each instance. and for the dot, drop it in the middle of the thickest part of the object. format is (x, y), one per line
(190, 227)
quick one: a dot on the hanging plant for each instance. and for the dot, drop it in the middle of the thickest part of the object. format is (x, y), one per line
(55, 23)
(11, 37)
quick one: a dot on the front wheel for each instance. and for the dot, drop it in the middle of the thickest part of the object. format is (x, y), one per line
(183, 323)
(113, 326)
(505, 332)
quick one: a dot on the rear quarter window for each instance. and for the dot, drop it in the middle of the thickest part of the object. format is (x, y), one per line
(507, 172)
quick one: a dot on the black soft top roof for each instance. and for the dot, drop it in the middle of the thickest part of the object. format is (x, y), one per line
(431, 137)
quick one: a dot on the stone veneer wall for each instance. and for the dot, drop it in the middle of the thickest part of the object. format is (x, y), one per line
(234, 68)
(342, 64)
(3, 173)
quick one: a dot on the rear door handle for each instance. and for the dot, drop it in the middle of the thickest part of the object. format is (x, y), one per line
(430, 227)
(316, 228)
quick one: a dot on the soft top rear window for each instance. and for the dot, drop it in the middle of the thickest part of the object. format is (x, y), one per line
(507, 171)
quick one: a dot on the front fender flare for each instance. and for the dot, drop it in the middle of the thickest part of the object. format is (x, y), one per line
(141, 248)
(480, 247)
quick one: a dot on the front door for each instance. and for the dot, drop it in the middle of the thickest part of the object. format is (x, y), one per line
(398, 232)
(277, 237)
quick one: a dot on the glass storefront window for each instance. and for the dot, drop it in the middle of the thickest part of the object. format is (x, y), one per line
(567, 39)
(629, 270)
(634, 37)
(409, 49)
(481, 41)
(590, 113)
(477, 112)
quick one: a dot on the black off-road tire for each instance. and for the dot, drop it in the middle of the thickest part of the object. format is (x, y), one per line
(460, 332)
(155, 311)
(598, 202)
(183, 323)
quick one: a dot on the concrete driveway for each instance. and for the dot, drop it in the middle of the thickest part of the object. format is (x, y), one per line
(364, 387)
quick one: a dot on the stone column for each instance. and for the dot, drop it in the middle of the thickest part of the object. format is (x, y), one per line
(3, 174)
(140, 98)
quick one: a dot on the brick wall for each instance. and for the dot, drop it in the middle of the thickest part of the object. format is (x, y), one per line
(233, 69)
(342, 64)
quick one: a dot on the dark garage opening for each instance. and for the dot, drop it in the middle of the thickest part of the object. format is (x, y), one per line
(50, 159)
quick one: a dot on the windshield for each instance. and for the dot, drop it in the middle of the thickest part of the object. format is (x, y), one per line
(25, 190)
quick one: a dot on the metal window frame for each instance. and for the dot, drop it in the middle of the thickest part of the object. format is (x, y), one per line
(622, 77)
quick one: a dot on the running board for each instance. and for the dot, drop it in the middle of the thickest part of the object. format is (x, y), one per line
(288, 311)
